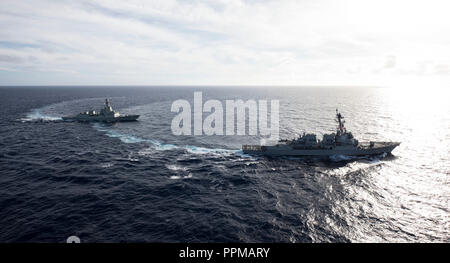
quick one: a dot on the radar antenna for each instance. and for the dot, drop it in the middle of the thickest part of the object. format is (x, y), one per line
(339, 119)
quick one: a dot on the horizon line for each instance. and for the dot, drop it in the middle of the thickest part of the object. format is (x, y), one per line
(203, 85)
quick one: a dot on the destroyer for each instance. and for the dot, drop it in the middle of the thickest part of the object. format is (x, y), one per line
(339, 143)
(107, 114)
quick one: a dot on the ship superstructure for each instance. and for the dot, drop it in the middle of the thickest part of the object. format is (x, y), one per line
(340, 142)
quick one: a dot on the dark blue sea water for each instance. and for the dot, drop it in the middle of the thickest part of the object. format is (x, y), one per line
(136, 182)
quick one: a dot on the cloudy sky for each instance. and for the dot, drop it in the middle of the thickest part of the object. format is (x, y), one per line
(224, 42)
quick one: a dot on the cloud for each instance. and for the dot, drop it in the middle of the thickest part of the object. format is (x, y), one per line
(390, 62)
(222, 42)
(11, 59)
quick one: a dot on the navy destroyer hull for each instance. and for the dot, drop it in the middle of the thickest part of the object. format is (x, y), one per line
(123, 118)
(334, 144)
(107, 114)
(289, 150)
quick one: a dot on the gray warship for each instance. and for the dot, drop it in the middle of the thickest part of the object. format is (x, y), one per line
(107, 114)
(339, 143)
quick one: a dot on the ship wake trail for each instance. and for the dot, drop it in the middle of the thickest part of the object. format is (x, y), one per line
(160, 146)
(37, 116)
(114, 134)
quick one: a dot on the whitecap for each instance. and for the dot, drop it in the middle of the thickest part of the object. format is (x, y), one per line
(106, 165)
(174, 167)
(202, 150)
(162, 146)
(176, 177)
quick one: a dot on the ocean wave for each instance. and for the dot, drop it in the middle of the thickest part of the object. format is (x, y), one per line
(341, 157)
(377, 158)
(174, 167)
(177, 177)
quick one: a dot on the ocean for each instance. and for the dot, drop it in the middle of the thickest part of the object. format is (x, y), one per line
(137, 182)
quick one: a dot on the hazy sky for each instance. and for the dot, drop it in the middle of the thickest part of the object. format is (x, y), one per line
(225, 42)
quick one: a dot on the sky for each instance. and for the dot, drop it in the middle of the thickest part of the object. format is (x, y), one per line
(225, 42)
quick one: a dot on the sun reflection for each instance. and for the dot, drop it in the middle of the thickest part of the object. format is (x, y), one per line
(424, 112)
(410, 190)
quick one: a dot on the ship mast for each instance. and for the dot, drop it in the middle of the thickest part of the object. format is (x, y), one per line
(339, 119)
(107, 105)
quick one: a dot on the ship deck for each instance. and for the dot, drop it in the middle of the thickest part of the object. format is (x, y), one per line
(362, 146)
